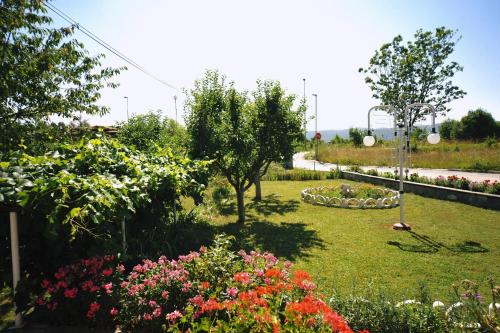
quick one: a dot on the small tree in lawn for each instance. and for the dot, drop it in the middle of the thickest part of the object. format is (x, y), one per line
(242, 134)
(417, 72)
(43, 72)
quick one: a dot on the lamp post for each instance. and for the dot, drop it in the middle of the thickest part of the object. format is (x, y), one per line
(316, 127)
(305, 117)
(403, 132)
(126, 97)
(175, 104)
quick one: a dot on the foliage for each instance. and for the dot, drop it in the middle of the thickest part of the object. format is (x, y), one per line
(43, 72)
(478, 124)
(147, 131)
(450, 129)
(337, 140)
(356, 136)
(378, 312)
(75, 198)
(242, 135)
(417, 72)
(276, 173)
(212, 290)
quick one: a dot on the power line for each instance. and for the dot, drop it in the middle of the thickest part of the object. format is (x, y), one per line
(108, 47)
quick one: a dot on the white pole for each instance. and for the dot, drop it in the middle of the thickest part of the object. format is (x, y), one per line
(16, 267)
(175, 104)
(401, 191)
(124, 237)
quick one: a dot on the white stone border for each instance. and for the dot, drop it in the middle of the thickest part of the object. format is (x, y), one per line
(309, 196)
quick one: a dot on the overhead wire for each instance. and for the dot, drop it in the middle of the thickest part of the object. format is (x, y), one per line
(107, 46)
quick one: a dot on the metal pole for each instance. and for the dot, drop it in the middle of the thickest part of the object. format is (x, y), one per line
(401, 191)
(175, 104)
(305, 117)
(16, 267)
(316, 122)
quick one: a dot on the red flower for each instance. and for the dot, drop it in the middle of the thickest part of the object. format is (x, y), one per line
(107, 272)
(71, 293)
(113, 312)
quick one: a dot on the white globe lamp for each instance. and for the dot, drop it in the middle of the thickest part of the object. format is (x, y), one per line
(368, 140)
(433, 138)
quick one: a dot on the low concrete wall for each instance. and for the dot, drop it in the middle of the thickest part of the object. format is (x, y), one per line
(483, 200)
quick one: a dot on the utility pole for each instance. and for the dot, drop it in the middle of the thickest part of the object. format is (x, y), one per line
(126, 97)
(175, 104)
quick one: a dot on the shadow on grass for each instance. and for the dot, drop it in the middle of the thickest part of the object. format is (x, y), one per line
(288, 240)
(285, 239)
(429, 245)
(271, 204)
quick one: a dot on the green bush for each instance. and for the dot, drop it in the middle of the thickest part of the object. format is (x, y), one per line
(75, 198)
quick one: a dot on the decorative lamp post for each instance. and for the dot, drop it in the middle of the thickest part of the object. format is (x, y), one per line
(433, 138)
(175, 104)
(316, 136)
(305, 119)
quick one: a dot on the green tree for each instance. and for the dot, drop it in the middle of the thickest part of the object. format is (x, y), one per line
(356, 136)
(417, 72)
(43, 72)
(450, 129)
(478, 124)
(146, 131)
(242, 134)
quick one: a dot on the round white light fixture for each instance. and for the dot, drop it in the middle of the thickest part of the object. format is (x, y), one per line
(368, 140)
(433, 138)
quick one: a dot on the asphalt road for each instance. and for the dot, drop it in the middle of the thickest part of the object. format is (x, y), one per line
(300, 162)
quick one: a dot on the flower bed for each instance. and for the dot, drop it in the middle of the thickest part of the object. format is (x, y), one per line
(363, 196)
(212, 290)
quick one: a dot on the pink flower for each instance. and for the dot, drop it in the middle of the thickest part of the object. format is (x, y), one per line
(197, 300)
(152, 304)
(232, 292)
(164, 294)
(120, 268)
(94, 307)
(113, 312)
(147, 316)
(173, 316)
(108, 287)
(157, 312)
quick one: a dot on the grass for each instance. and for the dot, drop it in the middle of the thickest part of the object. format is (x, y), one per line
(341, 247)
(444, 155)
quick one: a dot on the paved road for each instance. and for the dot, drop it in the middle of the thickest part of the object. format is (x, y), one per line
(300, 162)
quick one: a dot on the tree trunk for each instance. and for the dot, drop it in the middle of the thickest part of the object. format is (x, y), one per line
(241, 205)
(258, 190)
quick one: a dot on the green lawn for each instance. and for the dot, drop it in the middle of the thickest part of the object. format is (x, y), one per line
(449, 241)
(341, 247)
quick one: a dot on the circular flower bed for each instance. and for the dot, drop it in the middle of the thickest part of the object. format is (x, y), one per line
(345, 196)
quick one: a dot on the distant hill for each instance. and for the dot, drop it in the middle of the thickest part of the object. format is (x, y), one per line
(386, 133)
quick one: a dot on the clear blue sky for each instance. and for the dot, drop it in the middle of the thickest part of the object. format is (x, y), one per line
(322, 41)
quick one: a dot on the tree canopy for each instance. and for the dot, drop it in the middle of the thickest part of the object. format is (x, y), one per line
(43, 71)
(243, 134)
(418, 72)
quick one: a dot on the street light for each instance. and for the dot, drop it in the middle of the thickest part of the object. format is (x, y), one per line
(316, 125)
(126, 97)
(433, 138)
(175, 104)
(305, 117)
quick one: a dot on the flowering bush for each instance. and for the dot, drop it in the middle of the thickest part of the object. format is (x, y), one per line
(212, 290)
(82, 292)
